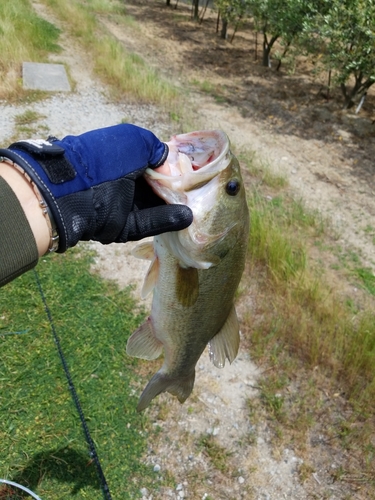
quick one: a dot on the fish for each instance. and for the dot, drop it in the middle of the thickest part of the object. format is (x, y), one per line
(194, 273)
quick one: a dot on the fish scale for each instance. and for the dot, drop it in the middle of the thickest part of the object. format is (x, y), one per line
(194, 273)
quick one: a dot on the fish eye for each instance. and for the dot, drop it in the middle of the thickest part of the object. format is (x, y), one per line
(232, 187)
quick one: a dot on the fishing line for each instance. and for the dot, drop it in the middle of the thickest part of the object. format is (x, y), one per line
(22, 332)
(19, 486)
(90, 442)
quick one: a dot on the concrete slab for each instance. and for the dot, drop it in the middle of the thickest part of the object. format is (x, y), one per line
(41, 76)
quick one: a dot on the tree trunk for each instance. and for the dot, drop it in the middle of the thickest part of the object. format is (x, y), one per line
(267, 47)
(204, 12)
(224, 28)
(349, 96)
(360, 88)
(168, 3)
(196, 9)
(266, 56)
(283, 55)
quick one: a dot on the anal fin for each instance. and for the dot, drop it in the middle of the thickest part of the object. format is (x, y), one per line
(143, 343)
(226, 343)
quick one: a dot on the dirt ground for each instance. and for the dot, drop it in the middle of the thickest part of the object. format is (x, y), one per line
(326, 153)
(327, 157)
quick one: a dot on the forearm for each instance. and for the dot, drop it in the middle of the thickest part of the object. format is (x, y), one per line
(24, 233)
(80, 188)
(29, 204)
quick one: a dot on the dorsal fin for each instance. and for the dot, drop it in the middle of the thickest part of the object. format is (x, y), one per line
(143, 343)
(225, 344)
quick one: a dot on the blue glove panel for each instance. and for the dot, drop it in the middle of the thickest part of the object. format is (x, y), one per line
(97, 156)
(93, 184)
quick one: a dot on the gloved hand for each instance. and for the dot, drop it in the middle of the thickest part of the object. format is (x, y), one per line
(93, 185)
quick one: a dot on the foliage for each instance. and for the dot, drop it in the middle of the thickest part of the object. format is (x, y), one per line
(340, 35)
(232, 12)
(280, 19)
(345, 30)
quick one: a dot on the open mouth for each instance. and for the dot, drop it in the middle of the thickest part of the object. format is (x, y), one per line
(191, 152)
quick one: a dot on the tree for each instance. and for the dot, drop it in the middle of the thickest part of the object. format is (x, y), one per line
(347, 31)
(231, 11)
(279, 19)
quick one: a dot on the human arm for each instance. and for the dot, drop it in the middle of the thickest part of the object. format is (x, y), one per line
(93, 187)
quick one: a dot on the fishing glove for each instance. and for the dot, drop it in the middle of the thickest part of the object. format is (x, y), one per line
(93, 186)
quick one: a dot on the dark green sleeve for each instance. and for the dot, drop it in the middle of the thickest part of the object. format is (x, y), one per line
(18, 249)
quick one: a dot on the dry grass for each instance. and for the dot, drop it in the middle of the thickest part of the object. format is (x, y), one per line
(309, 335)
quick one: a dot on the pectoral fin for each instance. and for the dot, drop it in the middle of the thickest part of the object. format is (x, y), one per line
(225, 344)
(151, 278)
(144, 251)
(143, 343)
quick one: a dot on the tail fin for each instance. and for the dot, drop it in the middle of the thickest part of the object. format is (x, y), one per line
(180, 387)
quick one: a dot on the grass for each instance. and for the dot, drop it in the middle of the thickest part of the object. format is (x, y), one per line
(28, 125)
(217, 454)
(260, 170)
(28, 117)
(125, 72)
(306, 312)
(23, 37)
(41, 442)
(27, 37)
(367, 277)
(306, 322)
(216, 91)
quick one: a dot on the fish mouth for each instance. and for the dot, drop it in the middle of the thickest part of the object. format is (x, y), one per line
(193, 160)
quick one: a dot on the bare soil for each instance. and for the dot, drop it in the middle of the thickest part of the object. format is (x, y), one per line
(213, 447)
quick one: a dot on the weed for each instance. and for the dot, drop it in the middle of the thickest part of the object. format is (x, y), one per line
(27, 117)
(216, 453)
(305, 470)
(367, 277)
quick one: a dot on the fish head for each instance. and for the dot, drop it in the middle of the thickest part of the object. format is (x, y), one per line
(202, 173)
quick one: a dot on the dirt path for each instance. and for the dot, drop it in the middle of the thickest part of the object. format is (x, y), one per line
(326, 154)
(318, 149)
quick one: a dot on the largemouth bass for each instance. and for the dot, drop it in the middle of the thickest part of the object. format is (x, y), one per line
(194, 273)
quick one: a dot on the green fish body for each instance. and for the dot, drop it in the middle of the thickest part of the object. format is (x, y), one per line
(194, 273)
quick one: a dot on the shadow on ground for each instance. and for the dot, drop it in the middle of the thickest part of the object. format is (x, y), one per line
(64, 465)
(288, 103)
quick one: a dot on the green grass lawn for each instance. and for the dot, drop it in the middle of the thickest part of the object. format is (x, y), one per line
(42, 445)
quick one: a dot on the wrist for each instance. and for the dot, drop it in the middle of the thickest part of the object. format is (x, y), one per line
(31, 205)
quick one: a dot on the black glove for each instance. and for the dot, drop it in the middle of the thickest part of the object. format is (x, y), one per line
(93, 184)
